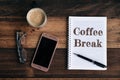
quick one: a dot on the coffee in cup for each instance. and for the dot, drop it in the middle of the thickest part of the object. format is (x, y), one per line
(36, 17)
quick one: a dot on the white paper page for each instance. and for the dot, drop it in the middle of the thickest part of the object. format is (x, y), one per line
(94, 47)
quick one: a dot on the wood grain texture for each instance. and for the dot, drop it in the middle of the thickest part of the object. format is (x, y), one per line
(13, 13)
(56, 26)
(13, 17)
(108, 8)
(59, 78)
(10, 67)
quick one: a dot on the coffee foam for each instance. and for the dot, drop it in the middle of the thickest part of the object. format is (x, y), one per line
(36, 17)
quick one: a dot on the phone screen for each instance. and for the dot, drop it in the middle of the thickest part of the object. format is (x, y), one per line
(44, 52)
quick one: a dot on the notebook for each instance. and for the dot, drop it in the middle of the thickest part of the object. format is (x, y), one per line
(87, 36)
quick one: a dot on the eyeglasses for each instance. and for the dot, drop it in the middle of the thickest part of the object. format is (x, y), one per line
(20, 41)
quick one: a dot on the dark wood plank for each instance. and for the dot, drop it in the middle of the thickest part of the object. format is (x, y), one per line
(9, 66)
(59, 78)
(109, 8)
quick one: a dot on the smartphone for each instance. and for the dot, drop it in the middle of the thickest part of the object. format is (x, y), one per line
(44, 52)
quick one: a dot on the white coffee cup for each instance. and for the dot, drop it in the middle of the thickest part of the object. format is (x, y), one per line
(36, 17)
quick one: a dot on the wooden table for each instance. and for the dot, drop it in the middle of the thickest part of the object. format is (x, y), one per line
(12, 18)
